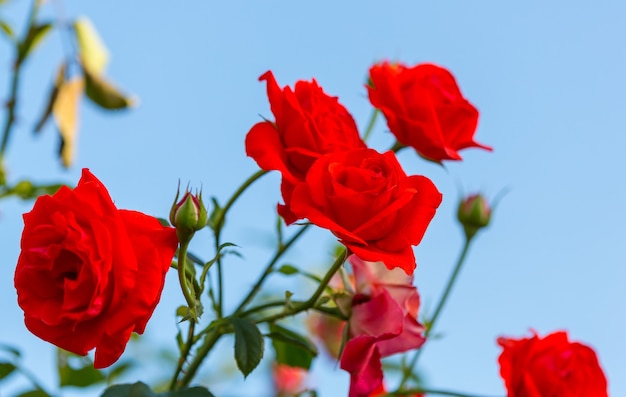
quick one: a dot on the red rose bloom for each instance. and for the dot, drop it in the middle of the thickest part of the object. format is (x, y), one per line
(383, 321)
(424, 109)
(309, 124)
(366, 199)
(90, 274)
(551, 366)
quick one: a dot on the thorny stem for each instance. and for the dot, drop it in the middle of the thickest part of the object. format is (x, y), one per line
(182, 279)
(184, 354)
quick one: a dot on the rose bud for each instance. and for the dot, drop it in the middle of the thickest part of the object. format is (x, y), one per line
(188, 215)
(474, 214)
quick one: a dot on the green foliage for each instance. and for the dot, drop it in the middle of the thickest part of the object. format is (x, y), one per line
(248, 345)
(140, 389)
(6, 369)
(34, 37)
(34, 393)
(76, 370)
(292, 348)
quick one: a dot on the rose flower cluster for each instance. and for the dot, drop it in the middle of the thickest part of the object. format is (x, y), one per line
(378, 212)
(90, 274)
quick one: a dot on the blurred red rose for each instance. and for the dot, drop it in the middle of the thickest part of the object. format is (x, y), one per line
(424, 109)
(288, 381)
(309, 124)
(366, 199)
(551, 366)
(90, 274)
(383, 321)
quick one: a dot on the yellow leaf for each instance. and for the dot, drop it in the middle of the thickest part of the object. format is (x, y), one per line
(65, 112)
(94, 55)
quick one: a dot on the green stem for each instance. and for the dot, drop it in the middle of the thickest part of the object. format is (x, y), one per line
(270, 268)
(209, 341)
(442, 301)
(370, 124)
(309, 303)
(182, 279)
(218, 223)
(184, 354)
(17, 68)
(438, 392)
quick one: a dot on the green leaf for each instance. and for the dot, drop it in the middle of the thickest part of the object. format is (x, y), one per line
(81, 374)
(248, 345)
(292, 348)
(288, 270)
(6, 369)
(140, 389)
(118, 370)
(8, 31)
(34, 393)
(215, 215)
(192, 392)
(35, 35)
(104, 94)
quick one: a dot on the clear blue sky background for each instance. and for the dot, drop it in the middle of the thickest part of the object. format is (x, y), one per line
(547, 76)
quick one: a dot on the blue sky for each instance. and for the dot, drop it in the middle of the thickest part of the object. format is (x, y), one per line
(547, 77)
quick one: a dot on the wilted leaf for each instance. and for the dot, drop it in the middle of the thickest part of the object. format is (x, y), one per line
(35, 35)
(103, 93)
(52, 97)
(292, 348)
(248, 345)
(93, 53)
(65, 112)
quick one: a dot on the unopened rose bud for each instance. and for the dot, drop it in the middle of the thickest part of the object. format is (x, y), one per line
(474, 214)
(188, 215)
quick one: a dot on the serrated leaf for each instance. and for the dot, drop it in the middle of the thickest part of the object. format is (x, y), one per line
(80, 374)
(65, 112)
(93, 53)
(104, 94)
(34, 37)
(6, 369)
(52, 97)
(292, 348)
(288, 270)
(248, 345)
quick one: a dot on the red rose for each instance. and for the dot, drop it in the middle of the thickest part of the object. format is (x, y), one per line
(552, 366)
(90, 274)
(309, 124)
(383, 321)
(424, 109)
(366, 199)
